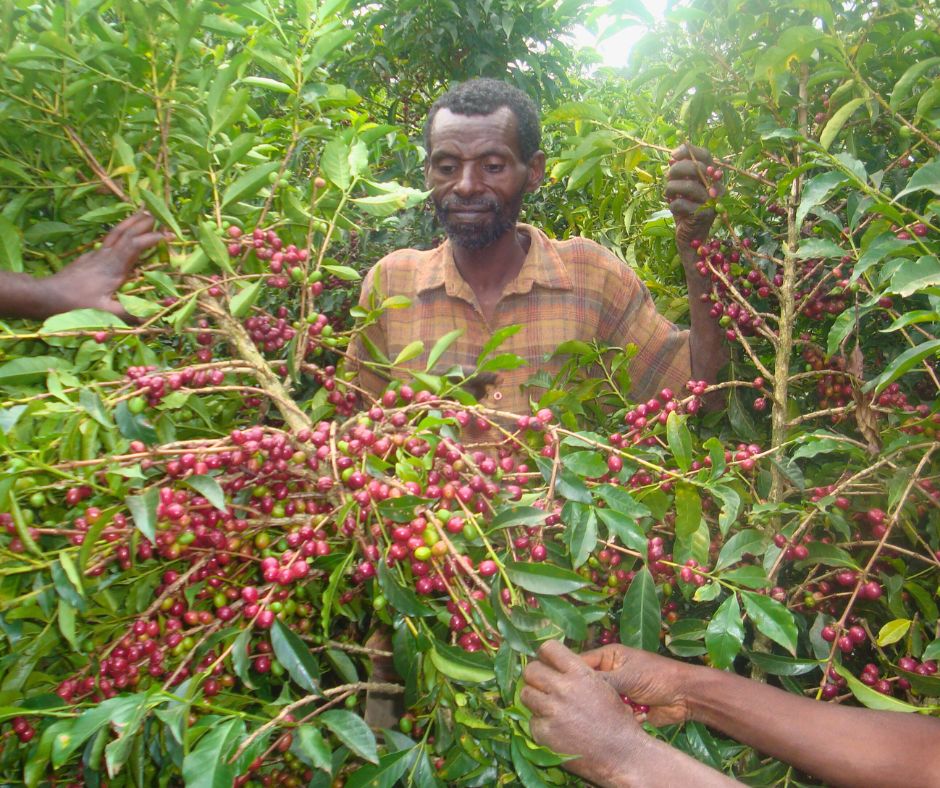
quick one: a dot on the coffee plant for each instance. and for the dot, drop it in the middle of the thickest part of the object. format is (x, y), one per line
(214, 543)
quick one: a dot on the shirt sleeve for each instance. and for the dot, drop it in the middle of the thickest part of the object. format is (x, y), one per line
(663, 357)
(370, 338)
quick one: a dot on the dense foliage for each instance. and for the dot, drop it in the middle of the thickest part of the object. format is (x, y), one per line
(201, 521)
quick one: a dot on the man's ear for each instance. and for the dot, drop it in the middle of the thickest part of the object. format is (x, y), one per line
(536, 167)
(427, 172)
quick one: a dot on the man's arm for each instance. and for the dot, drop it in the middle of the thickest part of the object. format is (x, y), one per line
(687, 192)
(837, 744)
(575, 712)
(88, 282)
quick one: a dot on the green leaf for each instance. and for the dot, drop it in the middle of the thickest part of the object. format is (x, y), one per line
(243, 300)
(777, 665)
(915, 276)
(747, 576)
(565, 616)
(730, 506)
(879, 249)
(582, 538)
(932, 651)
(498, 337)
(134, 427)
(620, 499)
(837, 121)
(829, 555)
(159, 209)
(214, 246)
(688, 510)
(747, 542)
(872, 698)
(588, 464)
(514, 514)
(819, 247)
(401, 598)
(771, 618)
(295, 655)
(311, 748)
(893, 631)
(138, 307)
(352, 731)
(441, 346)
(909, 359)
(240, 659)
(524, 771)
(724, 635)
(11, 246)
(816, 192)
(640, 618)
(927, 178)
(209, 489)
(81, 320)
(27, 368)
(343, 272)
(207, 765)
(409, 351)
(902, 87)
(625, 528)
(567, 484)
(389, 770)
(247, 185)
(143, 509)
(334, 163)
(543, 578)
(680, 440)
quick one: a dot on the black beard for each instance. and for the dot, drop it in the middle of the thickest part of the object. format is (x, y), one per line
(475, 236)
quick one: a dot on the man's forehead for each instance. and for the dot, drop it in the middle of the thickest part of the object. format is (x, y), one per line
(497, 129)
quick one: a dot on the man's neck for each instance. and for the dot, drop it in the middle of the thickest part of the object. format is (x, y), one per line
(489, 269)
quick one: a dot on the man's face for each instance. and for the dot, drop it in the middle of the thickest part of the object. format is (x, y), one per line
(477, 176)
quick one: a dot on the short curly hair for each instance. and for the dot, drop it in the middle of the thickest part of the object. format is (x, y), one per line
(484, 96)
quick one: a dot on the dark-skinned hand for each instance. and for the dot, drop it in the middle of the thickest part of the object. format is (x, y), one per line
(576, 712)
(646, 678)
(687, 185)
(90, 281)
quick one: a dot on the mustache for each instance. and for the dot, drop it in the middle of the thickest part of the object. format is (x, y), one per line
(480, 204)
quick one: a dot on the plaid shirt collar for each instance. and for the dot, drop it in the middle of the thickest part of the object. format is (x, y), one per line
(542, 266)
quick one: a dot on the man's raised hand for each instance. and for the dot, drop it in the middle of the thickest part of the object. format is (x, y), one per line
(689, 186)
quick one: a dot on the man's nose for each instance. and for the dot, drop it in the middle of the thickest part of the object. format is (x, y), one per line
(468, 181)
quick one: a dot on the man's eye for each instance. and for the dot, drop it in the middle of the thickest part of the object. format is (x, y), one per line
(494, 167)
(446, 169)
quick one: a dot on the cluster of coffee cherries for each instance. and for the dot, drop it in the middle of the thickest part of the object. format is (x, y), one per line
(720, 262)
(918, 229)
(285, 262)
(270, 333)
(152, 386)
(845, 640)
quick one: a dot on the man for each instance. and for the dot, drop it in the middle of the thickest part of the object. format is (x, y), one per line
(482, 140)
(577, 710)
(89, 282)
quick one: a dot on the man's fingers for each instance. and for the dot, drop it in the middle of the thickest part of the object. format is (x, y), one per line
(539, 676)
(136, 224)
(556, 655)
(683, 207)
(685, 151)
(687, 170)
(538, 702)
(691, 190)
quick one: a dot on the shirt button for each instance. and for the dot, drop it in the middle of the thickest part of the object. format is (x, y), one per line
(497, 396)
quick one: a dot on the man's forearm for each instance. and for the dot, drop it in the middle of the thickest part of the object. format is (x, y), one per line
(651, 763)
(23, 296)
(707, 341)
(837, 744)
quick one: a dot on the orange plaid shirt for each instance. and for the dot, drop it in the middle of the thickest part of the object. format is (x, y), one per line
(565, 290)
